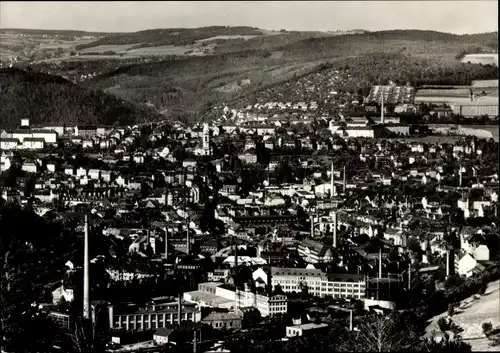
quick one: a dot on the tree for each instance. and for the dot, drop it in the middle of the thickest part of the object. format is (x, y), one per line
(451, 309)
(383, 334)
(88, 337)
(487, 327)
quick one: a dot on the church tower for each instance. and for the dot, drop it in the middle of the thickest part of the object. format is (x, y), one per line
(206, 140)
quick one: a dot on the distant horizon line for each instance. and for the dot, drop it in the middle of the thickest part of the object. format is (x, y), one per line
(258, 28)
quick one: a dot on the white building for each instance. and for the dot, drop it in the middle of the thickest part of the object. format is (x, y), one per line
(268, 305)
(62, 292)
(317, 282)
(303, 329)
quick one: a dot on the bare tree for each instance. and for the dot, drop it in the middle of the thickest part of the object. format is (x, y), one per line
(87, 337)
(383, 334)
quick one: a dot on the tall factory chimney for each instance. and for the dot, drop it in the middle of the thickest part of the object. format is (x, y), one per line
(382, 117)
(344, 183)
(380, 262)
(188, 239)
(312, 226)
(179, 309)
(460, 175)
(335, 230)
(86, 288)
(166, 242)
(333, 190)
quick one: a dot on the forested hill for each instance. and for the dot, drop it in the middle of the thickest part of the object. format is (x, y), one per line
(421, 43)
(43, 98)
(171, 36)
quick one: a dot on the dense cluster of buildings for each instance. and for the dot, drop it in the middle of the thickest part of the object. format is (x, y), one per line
(314, 235)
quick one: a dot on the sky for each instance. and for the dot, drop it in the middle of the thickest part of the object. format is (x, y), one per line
(115, 16)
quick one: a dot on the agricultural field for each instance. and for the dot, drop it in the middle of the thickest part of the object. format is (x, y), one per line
(245, 37)
(485, 83)
(117, 48)
(12, 45)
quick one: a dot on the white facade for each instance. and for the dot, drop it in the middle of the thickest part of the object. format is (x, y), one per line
(362, 132)
(299, 330)
(268, 305)
(33, 144)
(8, 143)
(318, 283)
(62, 292)
(466, 264)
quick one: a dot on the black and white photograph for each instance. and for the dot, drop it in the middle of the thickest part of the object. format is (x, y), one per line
(249, 176)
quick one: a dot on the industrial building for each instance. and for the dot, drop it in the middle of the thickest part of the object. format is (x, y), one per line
(473, 110)
(317, 282)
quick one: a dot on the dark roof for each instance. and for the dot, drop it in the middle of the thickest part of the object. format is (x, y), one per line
(34, 139)
(87, 127)
(162, 331)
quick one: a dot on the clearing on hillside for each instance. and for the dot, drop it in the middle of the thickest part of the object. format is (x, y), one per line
(472, 313)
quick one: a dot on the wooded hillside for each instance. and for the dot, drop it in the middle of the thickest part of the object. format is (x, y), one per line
(42, 98)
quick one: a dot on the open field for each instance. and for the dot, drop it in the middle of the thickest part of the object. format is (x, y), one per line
(484, 59)
(227, 37)
(117, 48)
(485, 83)
(458, 94)
(472, 314)
(161, 50)
(483, 130)
(450, 100)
